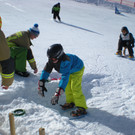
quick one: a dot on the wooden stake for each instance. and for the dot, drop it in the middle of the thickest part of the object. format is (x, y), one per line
(12, 124)
(41, 131)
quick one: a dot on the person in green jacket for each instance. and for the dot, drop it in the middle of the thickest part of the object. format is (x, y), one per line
(56, 11)
(21, 52)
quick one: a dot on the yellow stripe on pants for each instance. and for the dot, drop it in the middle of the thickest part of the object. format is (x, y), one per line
(73, 90)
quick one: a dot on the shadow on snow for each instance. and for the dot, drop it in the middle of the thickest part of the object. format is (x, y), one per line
(74, 26)
(30, 93)
(116, 123)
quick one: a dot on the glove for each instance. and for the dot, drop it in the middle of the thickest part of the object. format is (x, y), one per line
(35, 71)
(41, 88)
(55, 98)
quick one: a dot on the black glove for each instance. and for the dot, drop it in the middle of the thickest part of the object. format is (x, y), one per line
(55, 98)
(41, 87)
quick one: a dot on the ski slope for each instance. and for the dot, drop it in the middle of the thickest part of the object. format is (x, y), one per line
(92, 33)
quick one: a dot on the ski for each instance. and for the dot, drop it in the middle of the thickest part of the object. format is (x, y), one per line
(126, 57)
(67, 113)
(78, 117)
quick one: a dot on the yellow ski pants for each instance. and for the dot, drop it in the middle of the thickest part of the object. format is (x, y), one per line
(73, 90)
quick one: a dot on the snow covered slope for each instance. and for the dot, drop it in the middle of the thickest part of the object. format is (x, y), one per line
(92, 33)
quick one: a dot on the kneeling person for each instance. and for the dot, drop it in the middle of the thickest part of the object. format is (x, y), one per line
(21, 52)
(126, 40)
(6, 62)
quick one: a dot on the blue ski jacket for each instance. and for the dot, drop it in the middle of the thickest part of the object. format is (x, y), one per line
(67, 65)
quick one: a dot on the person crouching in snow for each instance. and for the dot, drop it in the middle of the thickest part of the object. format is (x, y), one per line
(71, 67)
(126, 40)
(21, 52)
(6, 62)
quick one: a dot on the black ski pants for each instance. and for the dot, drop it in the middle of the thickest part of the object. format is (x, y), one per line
(56, 15)
(127, 45)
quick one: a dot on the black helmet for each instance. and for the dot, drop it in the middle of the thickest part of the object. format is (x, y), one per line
(125, 29)
(55, 51)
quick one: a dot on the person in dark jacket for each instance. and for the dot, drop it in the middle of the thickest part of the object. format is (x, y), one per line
(6, 62)
(126, 40)
(21, 52)
(56, 11)
(71, 67)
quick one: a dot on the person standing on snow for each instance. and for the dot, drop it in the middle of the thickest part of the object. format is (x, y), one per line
(6, 62)
(126, 40)
(56, 11)
(71, 67)
(21, 52)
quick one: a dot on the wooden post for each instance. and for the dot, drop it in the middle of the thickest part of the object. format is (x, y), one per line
(12, 124)
(41, 131)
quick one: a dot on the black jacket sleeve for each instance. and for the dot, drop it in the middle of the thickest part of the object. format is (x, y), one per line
(132, 39)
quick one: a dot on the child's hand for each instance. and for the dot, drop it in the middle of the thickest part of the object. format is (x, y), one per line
(35, 71)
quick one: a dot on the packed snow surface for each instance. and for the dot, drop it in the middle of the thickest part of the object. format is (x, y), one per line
(90, 32)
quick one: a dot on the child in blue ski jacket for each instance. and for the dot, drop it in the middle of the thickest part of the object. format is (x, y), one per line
(71, 67)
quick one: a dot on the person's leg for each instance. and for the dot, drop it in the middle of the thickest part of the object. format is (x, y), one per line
(58, 17)
(119, 51)
(19, 54)
(54, 16)
(120, 45)
(76, 87)
(130, 49)
(7, 72)
(68, 92)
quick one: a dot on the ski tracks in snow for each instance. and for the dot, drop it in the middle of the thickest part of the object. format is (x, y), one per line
(14, 7)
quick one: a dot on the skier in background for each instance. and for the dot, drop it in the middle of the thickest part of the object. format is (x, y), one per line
(6, 62)
(126, 40)
(21, 52)
(71, 67)
(56, 11)
(117, 11)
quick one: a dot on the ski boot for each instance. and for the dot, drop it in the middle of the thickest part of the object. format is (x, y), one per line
(23, 74)
(67, 106)
(130, 56)
(80, 111)
(119, 52)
